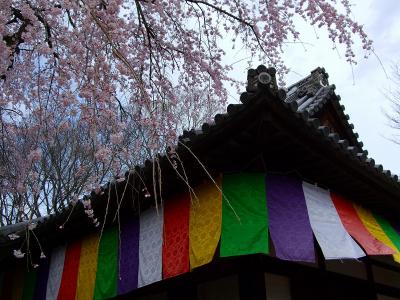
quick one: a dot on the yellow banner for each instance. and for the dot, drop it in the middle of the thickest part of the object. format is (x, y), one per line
(87, 267)
(375, 229)
(205, 223)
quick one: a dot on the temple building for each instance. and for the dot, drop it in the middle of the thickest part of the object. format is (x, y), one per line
(277, 199)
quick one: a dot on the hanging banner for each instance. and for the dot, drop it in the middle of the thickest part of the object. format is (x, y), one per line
(333, 239)
(70, 273)
(18, 282)
(2, 275)
(389, 231)
(107, 265)
(375, 229)
(396, 226)
(150, 246)
(205, 223)
(354, 226)
(8, 280)
(29, 285)
(41, 280)
(244, 215)
(55, 272)
(87, 267)
(164, 243)
(176, 236)
(289, 225)
(129, 256)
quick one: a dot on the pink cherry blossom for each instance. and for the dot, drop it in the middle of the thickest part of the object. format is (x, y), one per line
(89, 89)
(18, 253)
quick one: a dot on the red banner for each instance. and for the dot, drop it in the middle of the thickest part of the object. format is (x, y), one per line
(353, 224)
(70, 273)
(176, 236)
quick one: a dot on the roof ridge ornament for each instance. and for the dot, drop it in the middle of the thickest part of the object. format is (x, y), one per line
(312, 84)
(263, 78)
(321, 76)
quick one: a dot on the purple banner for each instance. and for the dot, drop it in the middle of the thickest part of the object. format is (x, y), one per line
(289, 224)
(42, 277)
(129, 257)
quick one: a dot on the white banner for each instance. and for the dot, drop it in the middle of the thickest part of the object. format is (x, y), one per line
(329, 231)
(55, 272)
(150, 246)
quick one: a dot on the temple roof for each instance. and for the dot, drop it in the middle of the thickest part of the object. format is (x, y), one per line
(313, 94)
(302, 131)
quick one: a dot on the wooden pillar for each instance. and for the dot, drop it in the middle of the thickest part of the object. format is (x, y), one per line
(252, 279)
(182, 292)
(370, 277)
(252, 285)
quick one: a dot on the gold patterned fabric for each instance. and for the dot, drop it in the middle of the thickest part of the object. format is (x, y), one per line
(87, 267)
(205, 223)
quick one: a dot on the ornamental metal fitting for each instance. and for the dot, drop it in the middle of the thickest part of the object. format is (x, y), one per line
(262, 78)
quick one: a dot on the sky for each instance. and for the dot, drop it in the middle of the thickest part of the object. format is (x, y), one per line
(363, 94)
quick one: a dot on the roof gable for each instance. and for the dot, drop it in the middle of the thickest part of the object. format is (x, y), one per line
(317, 97)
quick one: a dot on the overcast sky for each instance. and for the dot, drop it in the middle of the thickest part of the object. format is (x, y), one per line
(364, 98)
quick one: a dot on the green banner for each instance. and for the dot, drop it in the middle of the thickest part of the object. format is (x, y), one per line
(389, 230)
(244, 215)
(107, 265)
(29, 285)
